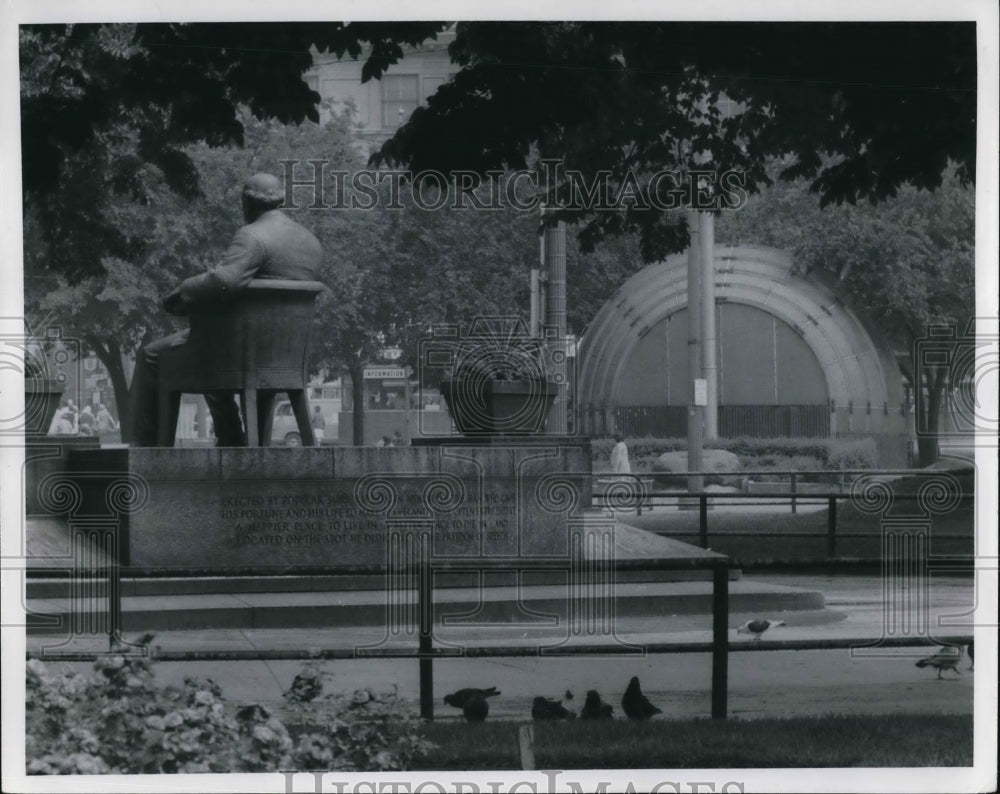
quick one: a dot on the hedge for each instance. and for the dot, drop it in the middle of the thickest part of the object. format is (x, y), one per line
(754, 453)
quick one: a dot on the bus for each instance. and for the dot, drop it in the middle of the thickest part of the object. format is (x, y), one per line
(396, 408)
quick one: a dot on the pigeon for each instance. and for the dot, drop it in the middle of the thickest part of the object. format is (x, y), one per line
(945, 659)
(596, 709)
(546, 709)
(634, 703)
(476, 709)
(462, 696)
(758, 627)
(972, 659)
(568, 695)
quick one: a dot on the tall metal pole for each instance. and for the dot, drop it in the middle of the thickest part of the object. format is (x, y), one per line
(555, 318)
(706, 230)
(696, 413)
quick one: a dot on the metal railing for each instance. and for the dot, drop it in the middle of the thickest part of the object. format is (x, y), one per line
(426, 652)
(642, 498)
(418, 575)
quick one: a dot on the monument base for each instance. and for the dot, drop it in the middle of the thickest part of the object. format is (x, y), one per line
(351, 510)
(46, 459)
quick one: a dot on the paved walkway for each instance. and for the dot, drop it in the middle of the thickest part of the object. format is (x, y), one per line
(765, 683)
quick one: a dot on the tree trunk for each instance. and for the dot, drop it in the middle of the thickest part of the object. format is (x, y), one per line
(929, 410)
(357, 372)
(110, 355)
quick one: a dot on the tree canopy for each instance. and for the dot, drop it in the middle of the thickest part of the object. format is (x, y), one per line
(103, 105)
(908, 264)
(860, 108)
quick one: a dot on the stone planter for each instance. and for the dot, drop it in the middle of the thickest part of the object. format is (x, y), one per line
(41, 399)
(484, 407)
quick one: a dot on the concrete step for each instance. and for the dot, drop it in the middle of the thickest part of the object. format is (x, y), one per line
(59, 586)
(526, 605)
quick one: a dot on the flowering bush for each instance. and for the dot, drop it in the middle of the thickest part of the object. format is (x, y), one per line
(754, 453)
(363, 731)
(118, 720)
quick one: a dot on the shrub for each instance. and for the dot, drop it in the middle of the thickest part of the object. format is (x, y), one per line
(860, 453)
(365, 731)
(754, 453)
(117, 720)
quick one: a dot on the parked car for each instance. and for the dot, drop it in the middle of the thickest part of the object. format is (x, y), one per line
(285, 429)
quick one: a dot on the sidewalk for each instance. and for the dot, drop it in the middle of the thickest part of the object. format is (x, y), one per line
(764, 683)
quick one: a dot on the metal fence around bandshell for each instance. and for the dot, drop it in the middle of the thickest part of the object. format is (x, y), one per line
(868, 490)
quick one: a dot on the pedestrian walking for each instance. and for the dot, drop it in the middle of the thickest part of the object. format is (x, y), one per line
(318, 425)
(619, 456)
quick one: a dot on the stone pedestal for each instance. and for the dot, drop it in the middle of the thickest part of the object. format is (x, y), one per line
(46, 470)
(335, 510)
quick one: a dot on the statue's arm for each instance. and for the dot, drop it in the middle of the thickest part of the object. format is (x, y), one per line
(237, 268)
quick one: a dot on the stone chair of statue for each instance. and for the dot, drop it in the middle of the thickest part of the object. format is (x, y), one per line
(256, 347)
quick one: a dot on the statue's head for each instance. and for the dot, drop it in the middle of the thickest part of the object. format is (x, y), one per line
(261, 192)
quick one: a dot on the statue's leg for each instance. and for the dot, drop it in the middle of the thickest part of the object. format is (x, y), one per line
(143, 394)
(226, 419)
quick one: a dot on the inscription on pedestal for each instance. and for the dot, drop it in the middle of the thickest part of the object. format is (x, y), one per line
(320, 508)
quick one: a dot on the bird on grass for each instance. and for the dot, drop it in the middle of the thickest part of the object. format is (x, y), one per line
(596, 709)
(945, 659)
(634, 703)
(548, 709)
(476, 709)
(972, 659)
(758, 627)
(462, 696)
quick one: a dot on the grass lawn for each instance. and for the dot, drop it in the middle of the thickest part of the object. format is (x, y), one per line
(833, 741)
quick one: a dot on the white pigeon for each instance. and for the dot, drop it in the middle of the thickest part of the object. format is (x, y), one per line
(758, 627)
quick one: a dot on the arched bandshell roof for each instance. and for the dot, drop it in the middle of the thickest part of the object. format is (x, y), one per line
(859, 370)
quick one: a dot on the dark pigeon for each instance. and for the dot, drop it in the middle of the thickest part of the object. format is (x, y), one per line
(634, 703)
(945, 659)
(461, 697)
(546, 709)
(476, 709)
(596, 709)
(568, 695)
(758, 627)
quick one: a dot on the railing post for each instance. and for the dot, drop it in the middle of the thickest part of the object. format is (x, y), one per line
(831, 528)
(425, 608)
(794, 488)
(720, 641)
(703, 520)
(114, 593)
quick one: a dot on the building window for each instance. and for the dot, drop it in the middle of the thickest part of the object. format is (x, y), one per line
(399, 98)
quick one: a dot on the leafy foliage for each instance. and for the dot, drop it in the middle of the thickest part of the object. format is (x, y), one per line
(906, 264)
(631, 99)
(118, 720)
(105, 106)
(755, 454)
(364, 731)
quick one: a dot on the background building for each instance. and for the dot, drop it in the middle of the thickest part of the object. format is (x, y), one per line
(381, 106)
